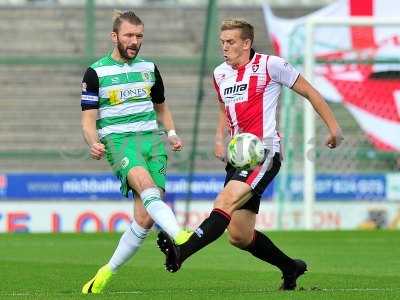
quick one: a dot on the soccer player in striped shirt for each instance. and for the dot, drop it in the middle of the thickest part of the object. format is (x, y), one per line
(122, 96)
(248, 85)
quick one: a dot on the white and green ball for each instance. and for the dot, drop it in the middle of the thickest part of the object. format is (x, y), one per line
(245, 151)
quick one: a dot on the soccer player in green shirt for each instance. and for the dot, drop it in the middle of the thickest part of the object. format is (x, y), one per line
(122, 96)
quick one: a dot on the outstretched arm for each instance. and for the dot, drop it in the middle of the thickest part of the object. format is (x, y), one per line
(305, 89)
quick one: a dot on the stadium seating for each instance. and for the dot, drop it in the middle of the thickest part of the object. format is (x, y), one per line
(39, 103)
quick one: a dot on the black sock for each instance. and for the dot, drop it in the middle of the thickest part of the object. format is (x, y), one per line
(208, 231)
(263, 248)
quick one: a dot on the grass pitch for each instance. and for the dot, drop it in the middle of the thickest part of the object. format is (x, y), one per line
(342, 265)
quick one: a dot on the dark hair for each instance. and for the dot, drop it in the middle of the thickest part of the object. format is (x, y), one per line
(247, 30)
(128, 16)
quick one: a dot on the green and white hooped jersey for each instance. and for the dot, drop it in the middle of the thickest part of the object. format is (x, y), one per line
(124, 94)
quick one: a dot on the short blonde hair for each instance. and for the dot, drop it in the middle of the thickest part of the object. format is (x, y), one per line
(247, 30)
(129, 16)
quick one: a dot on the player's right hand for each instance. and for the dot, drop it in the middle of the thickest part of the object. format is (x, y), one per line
(219, 151)
(97, 151)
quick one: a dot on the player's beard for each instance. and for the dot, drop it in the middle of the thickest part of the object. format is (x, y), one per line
(123, 52)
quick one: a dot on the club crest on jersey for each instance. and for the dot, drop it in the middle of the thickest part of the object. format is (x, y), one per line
(146, 76)
(255, 68)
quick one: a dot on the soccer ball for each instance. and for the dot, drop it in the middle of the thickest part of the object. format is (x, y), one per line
(245, 151)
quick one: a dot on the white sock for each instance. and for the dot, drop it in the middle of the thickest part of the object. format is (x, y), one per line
(128, 245)
(160, 212)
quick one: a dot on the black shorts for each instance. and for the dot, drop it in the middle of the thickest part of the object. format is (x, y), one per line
(258, 179)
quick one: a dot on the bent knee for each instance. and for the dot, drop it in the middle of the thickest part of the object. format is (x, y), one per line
(240, 241)
(144, 220)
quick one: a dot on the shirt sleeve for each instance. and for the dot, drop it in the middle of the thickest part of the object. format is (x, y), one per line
(216, 87)
(90, 90)
(157, 90)
(281, 71)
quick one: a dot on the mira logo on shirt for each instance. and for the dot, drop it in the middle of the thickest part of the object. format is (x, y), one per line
(237, 88)
(235, 93)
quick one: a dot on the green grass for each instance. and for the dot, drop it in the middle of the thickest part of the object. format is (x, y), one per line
(342, 265)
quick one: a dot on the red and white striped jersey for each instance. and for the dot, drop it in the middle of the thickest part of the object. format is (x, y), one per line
(250, 94)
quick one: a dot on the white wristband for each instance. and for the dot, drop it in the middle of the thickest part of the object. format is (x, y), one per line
(171, 132)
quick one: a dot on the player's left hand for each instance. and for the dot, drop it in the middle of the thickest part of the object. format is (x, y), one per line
(334, 139)
(175, 142)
